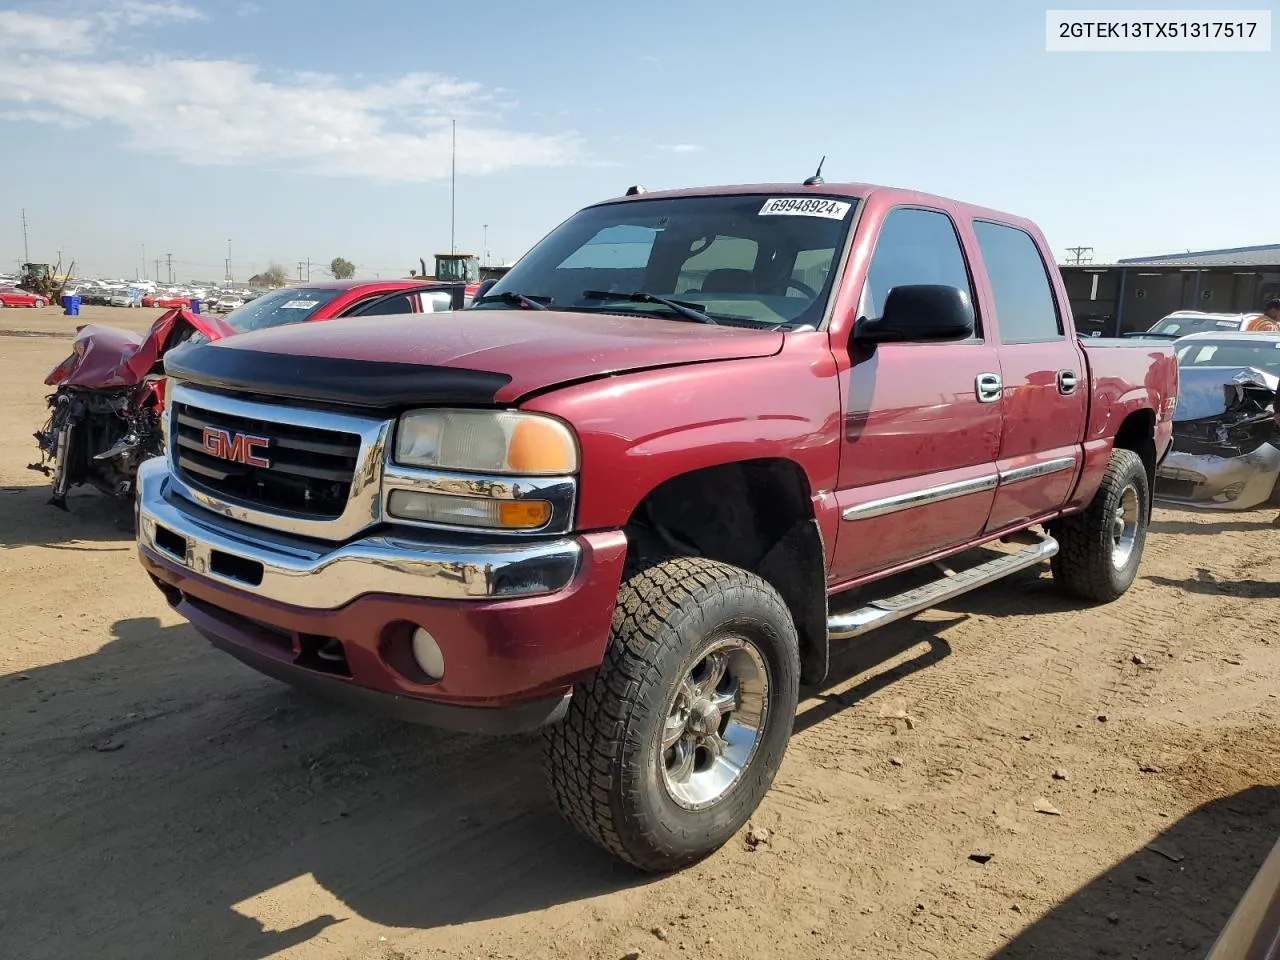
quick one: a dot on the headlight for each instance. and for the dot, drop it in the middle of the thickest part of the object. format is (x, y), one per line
(486, 441)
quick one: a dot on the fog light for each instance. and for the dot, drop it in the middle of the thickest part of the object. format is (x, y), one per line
(469, 511)
(427, 652)
(1230, 493)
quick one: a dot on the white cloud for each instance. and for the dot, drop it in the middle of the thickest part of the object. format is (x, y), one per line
(224, 112)
(680, 147)
(34, 33)
(248, 9)
(139, 13)
(38, 33)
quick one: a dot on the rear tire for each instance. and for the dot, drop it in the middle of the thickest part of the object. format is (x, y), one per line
(1101, 547)
(668, 749)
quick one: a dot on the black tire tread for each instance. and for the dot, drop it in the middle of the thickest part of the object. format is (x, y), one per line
(583, 750)
(1082, 567)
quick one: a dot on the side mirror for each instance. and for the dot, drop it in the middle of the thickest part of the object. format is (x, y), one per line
(922, 311)
(484, 288)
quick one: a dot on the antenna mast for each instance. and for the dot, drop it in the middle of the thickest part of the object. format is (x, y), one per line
(453, 188)
(817, 174)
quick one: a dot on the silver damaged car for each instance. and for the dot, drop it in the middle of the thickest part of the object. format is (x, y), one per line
(1226, 444)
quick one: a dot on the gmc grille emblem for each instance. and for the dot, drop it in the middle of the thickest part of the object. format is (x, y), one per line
(237, 447)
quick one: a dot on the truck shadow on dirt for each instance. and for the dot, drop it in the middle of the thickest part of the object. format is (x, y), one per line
(1204, 582)
(1252, 523)
(27, 519)
(1148, 905)
(855, 657)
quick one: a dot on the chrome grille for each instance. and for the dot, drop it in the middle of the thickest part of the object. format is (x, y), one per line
(308, 471)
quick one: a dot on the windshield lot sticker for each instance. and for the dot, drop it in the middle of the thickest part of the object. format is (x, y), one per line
(299, 304)
(805, 207)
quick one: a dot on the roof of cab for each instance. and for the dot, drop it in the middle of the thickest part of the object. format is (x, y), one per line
(860, 191)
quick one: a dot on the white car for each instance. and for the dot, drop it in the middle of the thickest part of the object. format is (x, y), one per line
(126, 298)
(227, 304)
(1181, 323)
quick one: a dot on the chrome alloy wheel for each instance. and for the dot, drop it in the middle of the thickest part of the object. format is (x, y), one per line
(714, 722)
(1124, 527)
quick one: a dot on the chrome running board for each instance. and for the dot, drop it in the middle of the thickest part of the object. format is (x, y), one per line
(845, 626)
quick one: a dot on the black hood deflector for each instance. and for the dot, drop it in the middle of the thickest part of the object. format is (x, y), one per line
(356, 383)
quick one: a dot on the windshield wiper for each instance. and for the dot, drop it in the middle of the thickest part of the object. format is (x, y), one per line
(690, 311)
(533, 303)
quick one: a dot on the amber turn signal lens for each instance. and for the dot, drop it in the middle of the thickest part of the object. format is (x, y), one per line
(541, 447)
(523, 514)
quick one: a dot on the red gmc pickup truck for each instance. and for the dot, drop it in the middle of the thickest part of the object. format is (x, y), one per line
(636, 490)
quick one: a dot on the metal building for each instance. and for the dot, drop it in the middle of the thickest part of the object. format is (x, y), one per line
(1108, 299)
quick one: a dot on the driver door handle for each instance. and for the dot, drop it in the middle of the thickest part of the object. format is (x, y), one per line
(1067, 382)
(988, 387)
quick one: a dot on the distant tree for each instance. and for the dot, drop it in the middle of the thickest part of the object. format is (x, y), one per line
(274, 276)
(342, 268)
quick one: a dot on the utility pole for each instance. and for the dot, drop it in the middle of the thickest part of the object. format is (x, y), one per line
(169, 258)
(229, 277)
(308, 269)
(300, 262)
(144, 261)
(1079, 255)
(453, 187)
(157, 263)
(486, 244)
(26, 252)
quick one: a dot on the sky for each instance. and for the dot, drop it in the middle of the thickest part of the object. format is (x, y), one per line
(132, 130)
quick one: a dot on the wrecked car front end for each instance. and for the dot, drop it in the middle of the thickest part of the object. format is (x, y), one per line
(1226, 454)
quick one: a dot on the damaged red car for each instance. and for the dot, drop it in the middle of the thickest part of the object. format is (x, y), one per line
(109, 393)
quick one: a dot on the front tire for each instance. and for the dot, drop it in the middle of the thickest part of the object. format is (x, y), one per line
(1101, 547)
(668, 749)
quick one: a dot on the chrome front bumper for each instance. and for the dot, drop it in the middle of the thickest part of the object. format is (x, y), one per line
(319, 576)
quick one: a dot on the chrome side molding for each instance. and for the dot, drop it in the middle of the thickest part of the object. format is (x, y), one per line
(949, 491)
(919, 498)
(1034, 470)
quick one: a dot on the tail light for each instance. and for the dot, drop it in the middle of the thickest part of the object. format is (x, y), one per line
(60, 372)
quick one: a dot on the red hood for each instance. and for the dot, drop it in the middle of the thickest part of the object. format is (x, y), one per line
(105, 357)
(537, 349)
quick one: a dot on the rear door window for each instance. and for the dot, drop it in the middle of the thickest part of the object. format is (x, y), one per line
(1026, 310)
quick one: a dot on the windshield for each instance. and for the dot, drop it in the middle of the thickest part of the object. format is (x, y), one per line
(1205, 391)
(457, 269)
(1181, 326)
(750, 259)
(1263, 354)
(280, 307)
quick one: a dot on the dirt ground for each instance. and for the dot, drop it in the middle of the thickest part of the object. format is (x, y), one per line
(157, 799)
